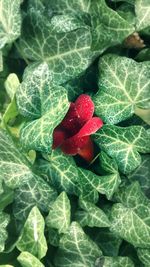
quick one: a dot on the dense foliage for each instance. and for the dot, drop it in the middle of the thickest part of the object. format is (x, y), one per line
(59, 210)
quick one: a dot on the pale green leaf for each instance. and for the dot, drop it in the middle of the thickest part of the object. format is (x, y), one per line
(109, 28)
(45, 105)
(4, 220)
(92, 184)
(11, 85)
(123, 85)
(131, 217)
(142, 10)
(144, 256)
(66, 23)
(62, 171)
(32, 238)
(142, 174)
(6, 265)
(124, 144)
(15, 169)
(60, 214)
(67, 56)
(28, 260)
(91, 215)
(115, 262)
(10, 21)
(36, 192)
(76, 249)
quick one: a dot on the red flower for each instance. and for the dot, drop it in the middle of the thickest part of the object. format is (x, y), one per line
(72, 135)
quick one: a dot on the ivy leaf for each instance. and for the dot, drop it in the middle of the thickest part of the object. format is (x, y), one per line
(91, 215)
(74, 6)
(92, 184)
(123, 144)
(11, 85)
(142, 174)
(36, 192)
(54, 237)
(4, 220)
(107, 163)
(6, 197)
(109, 28)
(126, 89)
(142, 10)
(32, 238)
(1, 61)
(144, 256)
(134, 211)
(66, 23)
(108, 242)
(44, 105)
(116, 262)
(76, 249)
(62, 171)
(15, 169)
(28, 260)
(67, 56)
(10, 21)
(59, 214)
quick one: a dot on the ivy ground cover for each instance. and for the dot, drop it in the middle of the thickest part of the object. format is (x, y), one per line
(74, 133)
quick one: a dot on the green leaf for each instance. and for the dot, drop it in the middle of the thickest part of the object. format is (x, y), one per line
(28, 260)
(66, 23)
(126, 11)
(6, 265)
(91, 215)
(11, 85)
(109, 28)
(6, 197)
(32, 238)
(130, 218)
(74, 6)
(107, 163)
(142, 174)
(67, 56)
(44, 105)
(4, 220)
(123, 86)
(144, 256)
(143, 55)
(15, 169)
(124, 144)
(76, 249)
(115, 262)
(142, 10)
(108, 242)
(54, 237)
(62, 171)
(10, 21)
(1, 61)
(36, 192)
(59, 214)
(92, 184)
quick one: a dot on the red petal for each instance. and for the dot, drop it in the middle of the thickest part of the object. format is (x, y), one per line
(90, 127)
(87, 152)
(58, 137)
(72, 145)
(85, 107)
(71, 122)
